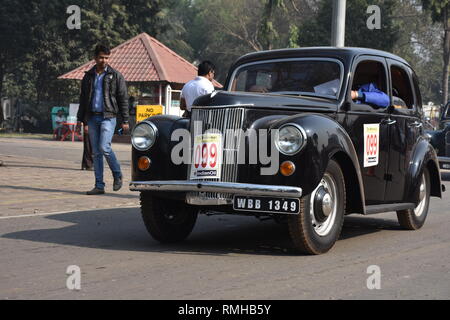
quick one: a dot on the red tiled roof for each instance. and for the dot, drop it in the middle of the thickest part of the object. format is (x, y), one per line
(144, 59)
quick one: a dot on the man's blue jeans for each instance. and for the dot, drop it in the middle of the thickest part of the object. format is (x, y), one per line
(101, 131)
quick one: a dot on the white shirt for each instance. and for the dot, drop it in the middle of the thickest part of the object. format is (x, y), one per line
(59, 119)
(196, 88)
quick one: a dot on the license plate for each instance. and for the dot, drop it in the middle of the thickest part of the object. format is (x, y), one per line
(446, 166)
(206, 156)
(266, 204)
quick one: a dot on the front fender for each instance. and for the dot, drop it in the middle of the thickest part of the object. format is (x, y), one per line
(162, 166)
(326, 140)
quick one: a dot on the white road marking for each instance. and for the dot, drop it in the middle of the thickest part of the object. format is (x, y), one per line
(62, 212)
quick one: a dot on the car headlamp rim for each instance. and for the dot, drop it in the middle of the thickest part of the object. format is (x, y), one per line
(155, 133)
(302, 134)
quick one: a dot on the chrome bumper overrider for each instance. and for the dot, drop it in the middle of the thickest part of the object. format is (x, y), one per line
(217, 186)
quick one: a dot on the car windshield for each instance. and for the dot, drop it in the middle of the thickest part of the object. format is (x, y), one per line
(299, 77)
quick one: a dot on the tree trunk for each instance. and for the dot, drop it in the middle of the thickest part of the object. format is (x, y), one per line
(445, 73)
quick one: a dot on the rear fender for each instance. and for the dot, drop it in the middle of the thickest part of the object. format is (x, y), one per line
(423, 156)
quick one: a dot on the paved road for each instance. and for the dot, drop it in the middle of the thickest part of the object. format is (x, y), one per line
(45, 177)
(226, 257)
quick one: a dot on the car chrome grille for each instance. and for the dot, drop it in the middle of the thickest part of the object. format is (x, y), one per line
(218, 119)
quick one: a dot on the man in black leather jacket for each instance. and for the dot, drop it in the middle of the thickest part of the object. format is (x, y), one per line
(103, 96)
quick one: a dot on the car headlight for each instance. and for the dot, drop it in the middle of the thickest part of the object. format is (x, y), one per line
(290, 139)
(144, 136)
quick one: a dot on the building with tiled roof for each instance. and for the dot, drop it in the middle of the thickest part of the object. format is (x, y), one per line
(157, 70)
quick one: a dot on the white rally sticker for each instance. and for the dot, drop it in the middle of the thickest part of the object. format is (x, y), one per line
(206, 156)
(371, 144)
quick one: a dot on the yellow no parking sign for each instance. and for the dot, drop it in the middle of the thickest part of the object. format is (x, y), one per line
(145, 111)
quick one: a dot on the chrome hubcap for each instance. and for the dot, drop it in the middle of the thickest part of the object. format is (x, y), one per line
(418, 211)
(422, 191)
(327, 205)
(323, 206)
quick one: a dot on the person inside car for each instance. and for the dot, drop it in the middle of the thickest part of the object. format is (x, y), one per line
(398, 102)
(330, 81)
(370, 94)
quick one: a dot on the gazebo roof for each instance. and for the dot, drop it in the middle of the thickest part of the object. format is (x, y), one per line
(144, 59)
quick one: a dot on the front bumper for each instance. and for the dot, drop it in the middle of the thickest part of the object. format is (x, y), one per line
(444, 163)
(217, 186)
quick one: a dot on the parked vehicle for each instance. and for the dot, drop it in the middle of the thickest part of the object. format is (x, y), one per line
(440, 139)
(300, 149)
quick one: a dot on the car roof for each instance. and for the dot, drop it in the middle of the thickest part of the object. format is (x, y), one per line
(345, 53)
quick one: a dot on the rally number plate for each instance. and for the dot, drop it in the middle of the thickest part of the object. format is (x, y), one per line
(206, 156)
(266, 204)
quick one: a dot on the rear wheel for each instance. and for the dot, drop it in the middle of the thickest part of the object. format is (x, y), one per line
(166, 220)
(413, 219)
(318, 225)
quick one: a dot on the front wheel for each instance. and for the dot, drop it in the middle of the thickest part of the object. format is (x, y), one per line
(167, 221)
(318, 225)
(413, 219)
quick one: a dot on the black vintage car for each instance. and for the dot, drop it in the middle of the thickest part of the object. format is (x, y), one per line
(440, 139)
(286, 140)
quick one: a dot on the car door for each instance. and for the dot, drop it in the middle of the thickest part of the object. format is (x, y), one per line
(404, 129)
(368, 128)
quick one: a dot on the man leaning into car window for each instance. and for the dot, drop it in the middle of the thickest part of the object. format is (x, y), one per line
(370, 94)
(201, 85)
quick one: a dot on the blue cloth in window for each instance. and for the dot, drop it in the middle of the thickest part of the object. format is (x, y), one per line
(370, 94)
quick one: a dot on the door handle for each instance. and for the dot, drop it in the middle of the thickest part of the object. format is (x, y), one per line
(388, 121)
(416, 124)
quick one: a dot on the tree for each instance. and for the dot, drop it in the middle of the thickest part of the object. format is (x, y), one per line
(420, 43)
(267, 31)
(36, 46)
(440, 11)
(178, 17)
(15, 21)
(316, 31)
(223, 30)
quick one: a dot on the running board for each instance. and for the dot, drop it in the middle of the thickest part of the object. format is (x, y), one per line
(379, 208)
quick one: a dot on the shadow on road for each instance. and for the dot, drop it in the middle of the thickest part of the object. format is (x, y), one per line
(115, 195)
(123, 229)
(357, 225)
